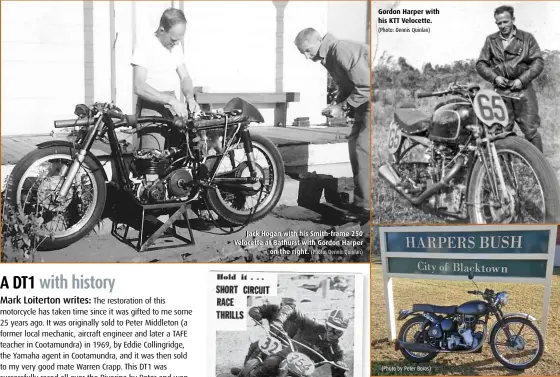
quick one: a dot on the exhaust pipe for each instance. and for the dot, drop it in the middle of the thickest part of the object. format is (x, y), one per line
(415, 347)
(392, 177)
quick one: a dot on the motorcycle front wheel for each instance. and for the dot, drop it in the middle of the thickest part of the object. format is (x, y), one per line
(238, 208)
(412, 331)
(33, 187)
(527, 343)
(531, 184)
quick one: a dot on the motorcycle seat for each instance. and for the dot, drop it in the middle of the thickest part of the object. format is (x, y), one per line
(411, 119)
(434, 308)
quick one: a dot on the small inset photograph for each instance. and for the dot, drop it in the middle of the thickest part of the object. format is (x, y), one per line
(466, 301)
(305, 325)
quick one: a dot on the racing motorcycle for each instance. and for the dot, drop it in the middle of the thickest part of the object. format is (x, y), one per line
(296, 364)
(464, 162)
(464, 328)
(213, 163)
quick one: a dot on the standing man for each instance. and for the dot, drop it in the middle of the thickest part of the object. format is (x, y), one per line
(349, 65)
(158, 63)
(511, 59)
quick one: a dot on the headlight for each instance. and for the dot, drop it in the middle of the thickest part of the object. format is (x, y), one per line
(502, 298)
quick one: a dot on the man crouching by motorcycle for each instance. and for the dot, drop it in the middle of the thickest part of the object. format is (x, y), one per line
(323, 338)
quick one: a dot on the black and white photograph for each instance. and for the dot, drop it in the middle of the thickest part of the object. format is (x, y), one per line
(310, 326)
(186, 131)
(465, 109)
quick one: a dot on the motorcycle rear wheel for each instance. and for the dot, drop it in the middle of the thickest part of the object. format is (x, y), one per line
(409, 355)
(541, 170)
(24, 194)
(225, 204)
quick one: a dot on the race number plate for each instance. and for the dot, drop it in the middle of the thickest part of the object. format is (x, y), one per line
(269, 345)
(394, 140)
(300, 364)
(490, 108)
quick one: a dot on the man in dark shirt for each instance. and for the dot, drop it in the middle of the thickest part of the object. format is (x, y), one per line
(511, 59)
(271, 312)
(321, 337)
(349, 65)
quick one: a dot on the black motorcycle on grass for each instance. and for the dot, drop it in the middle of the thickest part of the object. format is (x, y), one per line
(464, 329)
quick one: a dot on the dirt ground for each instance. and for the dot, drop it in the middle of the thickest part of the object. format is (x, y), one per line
(215, 246)
(231, 347)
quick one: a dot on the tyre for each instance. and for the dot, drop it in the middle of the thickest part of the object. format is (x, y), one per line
(531, 183)
(235, 207)
(519, 342)
(36, 179)
(408, 333)
(248, 368)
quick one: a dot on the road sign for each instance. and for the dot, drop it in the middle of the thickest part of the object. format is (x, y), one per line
(512, 253)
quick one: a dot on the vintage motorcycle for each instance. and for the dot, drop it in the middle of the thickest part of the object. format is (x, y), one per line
(215, 163)
(296, 364)
(460, 329)
(464, 163)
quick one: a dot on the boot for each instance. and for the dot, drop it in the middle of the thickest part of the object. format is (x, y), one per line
(260, 371)
(537, 142)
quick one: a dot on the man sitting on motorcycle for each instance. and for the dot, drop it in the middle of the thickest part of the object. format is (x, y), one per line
(270, 311)
(321, 337)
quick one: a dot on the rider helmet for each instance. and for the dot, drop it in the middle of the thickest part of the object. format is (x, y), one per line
(336, 324)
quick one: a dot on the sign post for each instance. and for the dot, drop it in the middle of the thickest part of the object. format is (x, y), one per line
(505, 253)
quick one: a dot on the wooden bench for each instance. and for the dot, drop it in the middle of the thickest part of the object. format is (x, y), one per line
(278, 100)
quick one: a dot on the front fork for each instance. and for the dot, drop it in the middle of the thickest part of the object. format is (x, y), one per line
(248, 146)
(500, 322)
(70, 173)
(495, 175)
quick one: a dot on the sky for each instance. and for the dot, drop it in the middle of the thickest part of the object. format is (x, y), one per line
(460, 29)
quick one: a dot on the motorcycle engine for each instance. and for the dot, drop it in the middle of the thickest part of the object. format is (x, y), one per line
(452, 198)
(464, 336)
(157, 181)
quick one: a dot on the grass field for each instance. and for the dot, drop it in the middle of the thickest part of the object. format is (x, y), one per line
(523, 298)
(388, 206)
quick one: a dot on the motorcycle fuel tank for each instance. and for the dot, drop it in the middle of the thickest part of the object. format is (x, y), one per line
(475, 307)
(450, 120)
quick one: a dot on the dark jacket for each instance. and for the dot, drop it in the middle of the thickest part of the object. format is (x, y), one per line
(314, 335)
(349, 65)
(272, 312)
(522, 58)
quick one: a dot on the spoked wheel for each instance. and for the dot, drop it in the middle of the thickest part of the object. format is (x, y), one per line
(522, 349)
(246, 202)
(412, 331)
(532, 189)
(35, 183)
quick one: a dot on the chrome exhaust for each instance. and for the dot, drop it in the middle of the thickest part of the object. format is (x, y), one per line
(390, 175)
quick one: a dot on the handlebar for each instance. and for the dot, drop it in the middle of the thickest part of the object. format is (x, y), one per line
(463, 90)
(487, 294)
(208, 119)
